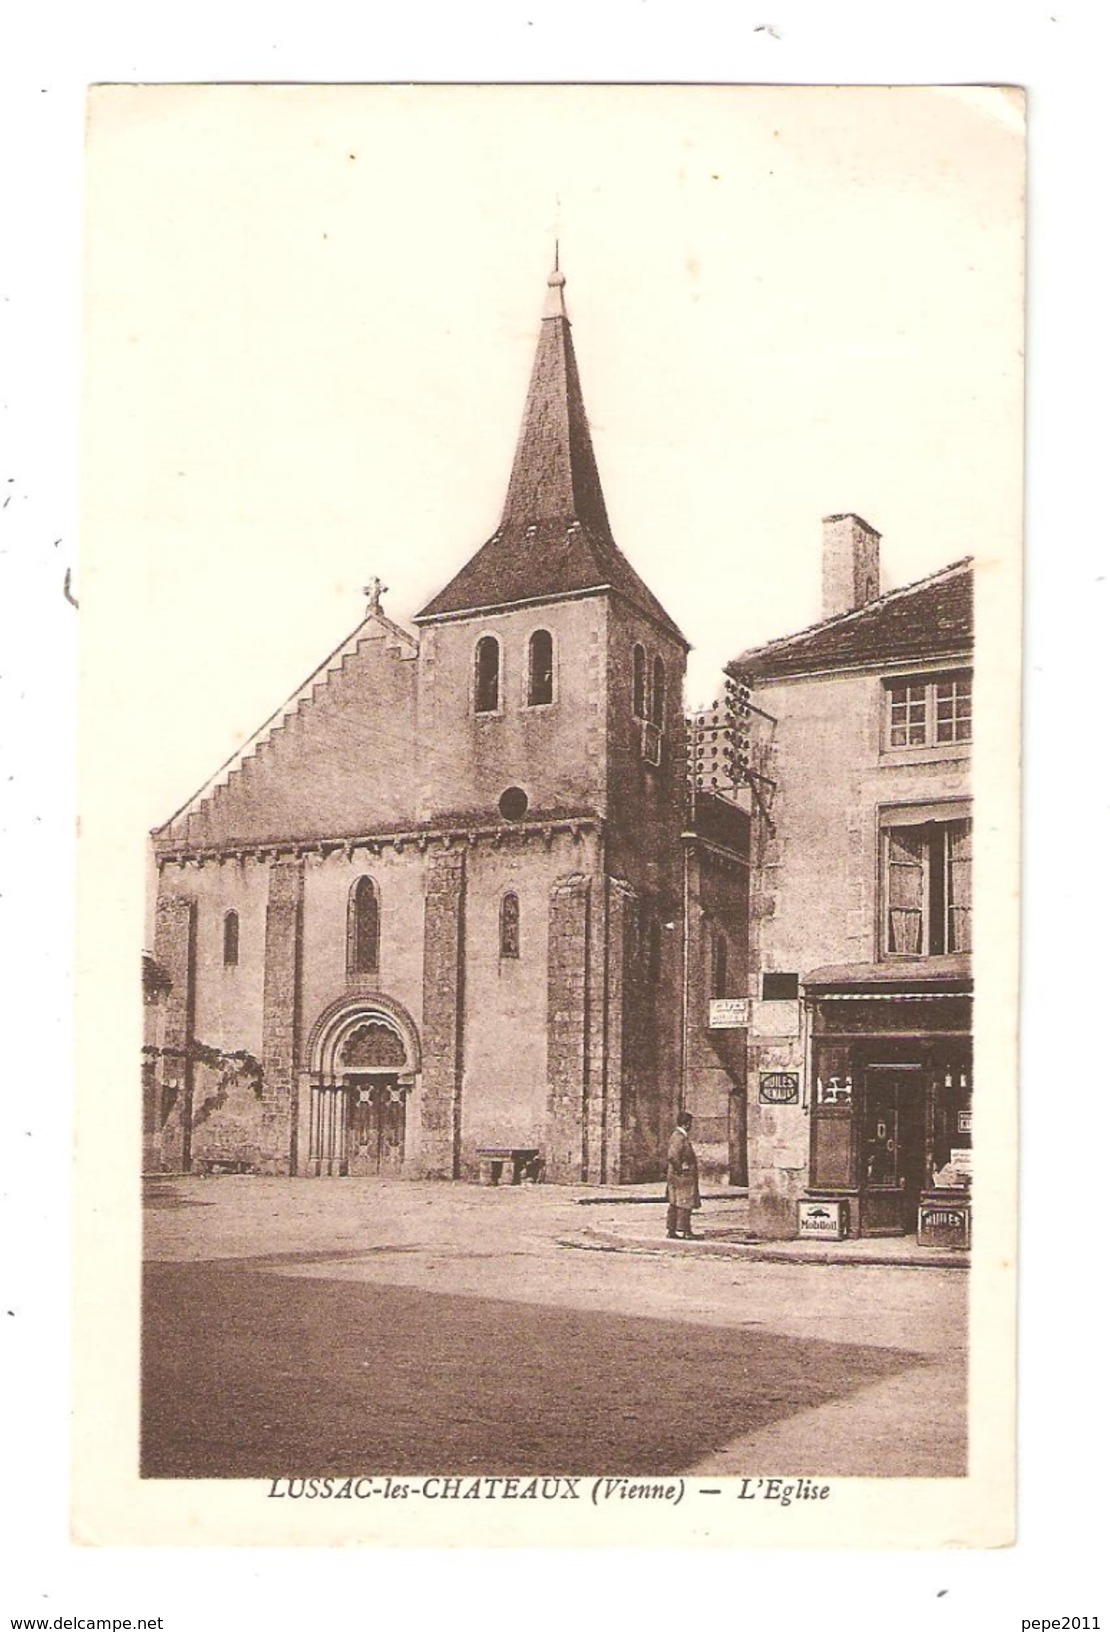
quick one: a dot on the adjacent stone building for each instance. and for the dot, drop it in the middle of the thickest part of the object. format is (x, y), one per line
(435, 907)
(859, 1050)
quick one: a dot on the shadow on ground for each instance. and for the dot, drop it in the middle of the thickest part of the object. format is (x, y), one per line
(165, 1196)
(248, 1374)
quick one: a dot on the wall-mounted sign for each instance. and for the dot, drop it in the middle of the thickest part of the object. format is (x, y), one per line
(960, 1160)
(778, 1087)
(822, 1220)
(775, 1019)
(834, 1090)
(963, 1121)
(725, 1013)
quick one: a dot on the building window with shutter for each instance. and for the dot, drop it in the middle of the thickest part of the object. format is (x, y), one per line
(541, 669)
(923, 712)
(510, 926)
(231, 939)
(957, 860)
(927, 889)
(487, 675)
(363, 929)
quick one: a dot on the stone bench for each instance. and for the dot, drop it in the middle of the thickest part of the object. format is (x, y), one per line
(524, 1163)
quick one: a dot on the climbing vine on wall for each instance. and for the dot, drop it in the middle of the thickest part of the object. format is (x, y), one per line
(233, 1067)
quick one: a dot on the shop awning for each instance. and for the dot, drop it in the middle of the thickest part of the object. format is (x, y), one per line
(941, 977)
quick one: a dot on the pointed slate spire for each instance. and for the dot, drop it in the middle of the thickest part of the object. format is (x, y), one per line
(554, 476)
(554, 538)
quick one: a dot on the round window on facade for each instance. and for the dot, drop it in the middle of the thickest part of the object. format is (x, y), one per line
(513, 804)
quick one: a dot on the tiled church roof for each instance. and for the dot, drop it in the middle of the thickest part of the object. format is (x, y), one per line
(927, 619)
(554, 537)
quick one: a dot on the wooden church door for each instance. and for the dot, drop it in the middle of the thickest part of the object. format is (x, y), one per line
(375, 1126)
(373, 1057)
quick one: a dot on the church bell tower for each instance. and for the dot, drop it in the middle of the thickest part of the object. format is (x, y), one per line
(551, 727)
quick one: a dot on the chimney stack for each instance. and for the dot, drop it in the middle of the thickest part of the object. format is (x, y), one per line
(850, 566)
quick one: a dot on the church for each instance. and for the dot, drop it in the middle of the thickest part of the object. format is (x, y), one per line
(437, 908)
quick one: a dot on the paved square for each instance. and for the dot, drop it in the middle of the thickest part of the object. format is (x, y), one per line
(301, 1328)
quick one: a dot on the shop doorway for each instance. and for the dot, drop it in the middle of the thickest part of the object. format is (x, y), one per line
(892, 1149)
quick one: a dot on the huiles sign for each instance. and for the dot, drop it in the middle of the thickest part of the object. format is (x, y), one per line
(778, 1087)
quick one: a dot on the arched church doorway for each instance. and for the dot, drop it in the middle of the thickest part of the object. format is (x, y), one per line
(363, 1063)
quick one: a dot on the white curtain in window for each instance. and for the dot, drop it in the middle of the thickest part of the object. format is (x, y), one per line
(905, 890)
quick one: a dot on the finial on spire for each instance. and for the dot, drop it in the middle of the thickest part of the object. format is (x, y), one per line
(555, 283)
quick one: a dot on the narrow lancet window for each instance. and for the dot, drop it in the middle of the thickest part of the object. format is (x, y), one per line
(363, 928)
(231, 939)
(510, 926)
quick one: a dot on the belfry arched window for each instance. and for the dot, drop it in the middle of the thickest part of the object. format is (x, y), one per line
(510, 926)
(487, 675)
(363, 928)
(639, 682)
(231, 939)
(541, 668)
(658, 692)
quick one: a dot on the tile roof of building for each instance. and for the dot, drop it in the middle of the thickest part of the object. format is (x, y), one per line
(554, 539)
(927, 619)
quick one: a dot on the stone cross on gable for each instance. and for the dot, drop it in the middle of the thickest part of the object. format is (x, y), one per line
(374, 591)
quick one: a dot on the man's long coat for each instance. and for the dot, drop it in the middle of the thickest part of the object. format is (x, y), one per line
(682, 1172)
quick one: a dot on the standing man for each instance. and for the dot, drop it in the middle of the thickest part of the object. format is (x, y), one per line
(683, 1195)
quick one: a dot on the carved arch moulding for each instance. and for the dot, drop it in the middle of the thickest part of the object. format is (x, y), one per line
(354, 1026)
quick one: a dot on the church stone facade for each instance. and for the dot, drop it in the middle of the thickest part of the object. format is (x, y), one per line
(435, 906)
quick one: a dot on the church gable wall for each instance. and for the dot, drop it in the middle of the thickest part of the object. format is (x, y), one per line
(340, 763)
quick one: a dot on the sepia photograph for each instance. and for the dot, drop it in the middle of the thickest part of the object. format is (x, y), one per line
(553, 582)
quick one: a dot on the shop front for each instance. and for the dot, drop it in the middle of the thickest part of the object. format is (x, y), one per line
(890, 1098)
